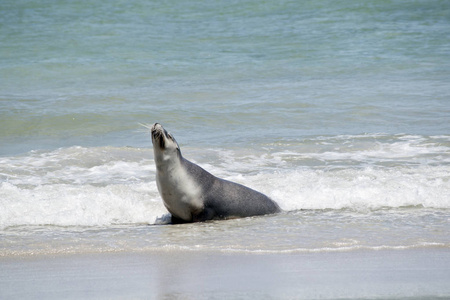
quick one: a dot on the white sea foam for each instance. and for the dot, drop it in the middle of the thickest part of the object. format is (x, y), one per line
(78, 205)
(90, 205)
(368, 188)
(332, 249)
(103, 186)
(79, 186)
(371, 149)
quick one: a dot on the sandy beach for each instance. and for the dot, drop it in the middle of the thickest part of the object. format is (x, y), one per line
(412, 274)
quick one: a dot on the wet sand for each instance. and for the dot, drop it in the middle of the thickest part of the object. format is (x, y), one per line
(414, 273)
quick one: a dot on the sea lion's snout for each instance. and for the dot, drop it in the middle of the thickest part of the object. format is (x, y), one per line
(161, 137)
(157, 135)
(156, 127)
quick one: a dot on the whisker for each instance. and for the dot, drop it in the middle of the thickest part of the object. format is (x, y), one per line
(148, 126)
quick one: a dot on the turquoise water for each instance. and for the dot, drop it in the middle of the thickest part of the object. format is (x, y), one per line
(86, 73)
(338, 110)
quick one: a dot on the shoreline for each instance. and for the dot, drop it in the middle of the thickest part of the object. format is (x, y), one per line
(412, 273)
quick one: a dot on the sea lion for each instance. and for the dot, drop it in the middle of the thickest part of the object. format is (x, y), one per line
(192, 194)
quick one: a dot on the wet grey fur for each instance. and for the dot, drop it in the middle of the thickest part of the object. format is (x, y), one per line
(224, 199)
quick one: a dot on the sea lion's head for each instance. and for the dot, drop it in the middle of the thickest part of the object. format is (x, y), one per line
(164, 144)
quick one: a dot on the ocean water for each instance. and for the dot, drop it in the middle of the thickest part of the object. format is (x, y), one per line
(338, 110)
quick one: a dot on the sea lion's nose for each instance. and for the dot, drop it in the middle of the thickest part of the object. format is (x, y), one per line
(156, 126)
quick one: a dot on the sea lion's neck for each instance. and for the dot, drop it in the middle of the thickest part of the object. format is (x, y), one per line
(166, 161)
